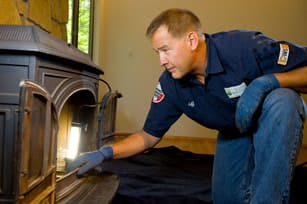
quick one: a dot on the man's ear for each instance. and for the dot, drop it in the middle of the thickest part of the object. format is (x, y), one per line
(192, 40)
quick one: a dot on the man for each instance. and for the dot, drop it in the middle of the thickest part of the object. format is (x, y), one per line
(241, 83)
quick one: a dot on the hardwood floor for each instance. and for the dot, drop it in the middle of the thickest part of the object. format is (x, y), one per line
(193, 144)
(201, 145)
(207, 145)
(302, 157)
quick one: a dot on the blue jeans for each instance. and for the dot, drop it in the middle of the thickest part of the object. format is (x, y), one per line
(257, 167)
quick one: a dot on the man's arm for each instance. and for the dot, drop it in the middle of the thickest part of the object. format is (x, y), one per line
(133, 144)
(296, 79)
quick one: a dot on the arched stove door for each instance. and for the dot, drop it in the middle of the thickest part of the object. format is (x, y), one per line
(38, 126)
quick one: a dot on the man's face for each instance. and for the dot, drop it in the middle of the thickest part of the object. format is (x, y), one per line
(174, 53)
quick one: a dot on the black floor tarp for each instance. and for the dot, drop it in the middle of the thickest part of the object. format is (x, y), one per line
(163, 175)
(170, 175)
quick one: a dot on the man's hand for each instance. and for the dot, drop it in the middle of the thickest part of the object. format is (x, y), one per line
(251, 99)
(90, 160)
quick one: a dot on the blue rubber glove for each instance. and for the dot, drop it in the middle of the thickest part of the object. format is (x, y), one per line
(251, 99)
(90, 160)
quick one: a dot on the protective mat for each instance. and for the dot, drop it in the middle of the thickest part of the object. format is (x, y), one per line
(163, 175)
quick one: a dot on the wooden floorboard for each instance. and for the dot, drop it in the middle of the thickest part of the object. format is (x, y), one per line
(303, 154)
(207, 145)
(201, 145)
(193, 144)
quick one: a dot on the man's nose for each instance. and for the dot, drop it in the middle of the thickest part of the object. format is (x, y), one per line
(163, 60)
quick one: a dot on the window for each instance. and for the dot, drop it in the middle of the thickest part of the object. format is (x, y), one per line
(80, 24)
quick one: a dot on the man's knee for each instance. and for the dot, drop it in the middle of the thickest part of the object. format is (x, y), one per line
(284, 101)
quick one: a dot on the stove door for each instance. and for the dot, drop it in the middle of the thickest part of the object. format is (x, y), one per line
(38, 125)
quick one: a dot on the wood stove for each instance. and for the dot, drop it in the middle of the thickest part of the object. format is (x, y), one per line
(46, 87)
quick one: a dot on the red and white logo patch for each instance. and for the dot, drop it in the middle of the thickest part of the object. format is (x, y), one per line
(159, 95)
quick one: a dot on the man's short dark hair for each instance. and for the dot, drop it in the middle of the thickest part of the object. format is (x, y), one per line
(178, 22)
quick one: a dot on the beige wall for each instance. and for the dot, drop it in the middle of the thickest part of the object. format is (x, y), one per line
(132, 67)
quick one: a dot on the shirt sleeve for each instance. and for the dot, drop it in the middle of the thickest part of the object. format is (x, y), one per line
(277, 56)
(163, 111)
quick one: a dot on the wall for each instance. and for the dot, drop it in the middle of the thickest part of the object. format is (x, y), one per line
(132, 67)
(50, 15)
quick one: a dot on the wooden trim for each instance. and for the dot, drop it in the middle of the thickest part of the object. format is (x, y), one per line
(125, 134)
(202, 145)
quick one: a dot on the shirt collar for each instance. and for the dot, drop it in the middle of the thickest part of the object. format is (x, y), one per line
(214, 65)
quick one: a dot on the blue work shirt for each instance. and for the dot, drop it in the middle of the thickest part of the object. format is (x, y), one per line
(235, 58)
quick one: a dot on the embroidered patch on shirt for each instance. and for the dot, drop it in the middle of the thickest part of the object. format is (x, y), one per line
(159, 95)
(283, 54)
(191, 104)
(235, 91)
